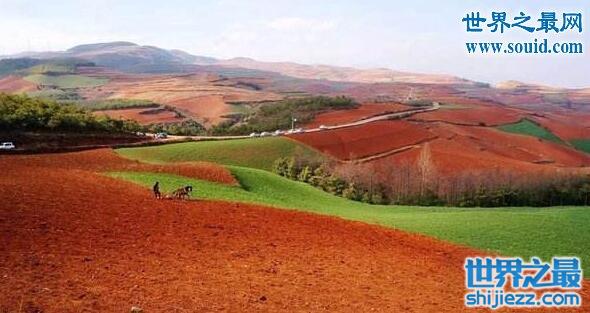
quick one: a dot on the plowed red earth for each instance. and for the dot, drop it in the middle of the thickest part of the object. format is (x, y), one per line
(566, 127)
(365, 140)
(106, 160)
(460, 149)
(15, 84)
(72, 240)
(476, 115)
(143, 116)
(199, 95)
(363, 111)
(210, 108)
(490, 141)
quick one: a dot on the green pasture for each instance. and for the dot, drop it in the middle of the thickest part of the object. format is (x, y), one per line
(255, 153)
(530, 128)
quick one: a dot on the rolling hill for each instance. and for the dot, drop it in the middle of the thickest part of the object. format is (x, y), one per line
(209, 91)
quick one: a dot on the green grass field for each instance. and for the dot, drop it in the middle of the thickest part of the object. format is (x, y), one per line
(527, 127)
(256, 152)
(526, 232)
(115, 104)
(582, 144)
(240, 108)
(52, 68)
(66, 81)
(453, 106)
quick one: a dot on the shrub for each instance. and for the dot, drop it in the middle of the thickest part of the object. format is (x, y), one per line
(20, 112)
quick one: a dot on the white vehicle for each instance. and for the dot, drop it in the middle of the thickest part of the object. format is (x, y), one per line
(278, 132)
(323, 127)
(7, 146)
(298, 131)
(254, 135)
(161, 136)
(264, 134)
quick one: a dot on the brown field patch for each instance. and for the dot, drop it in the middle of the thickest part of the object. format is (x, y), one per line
(566, 127)
(467, 149)
(144, 116)
(475, 115)
(15, 84)
(365, 110)
(199, 96)
(365, 140)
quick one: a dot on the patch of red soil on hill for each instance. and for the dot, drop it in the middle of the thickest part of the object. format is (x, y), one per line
(75, 241)
(566, 127)
(365, 110)
(365, 140)
(519, 147)
(143, 116)
(199, 95)
(466, 149)
(107, 160)
(210, 109)
(15, 84)
(474, 115)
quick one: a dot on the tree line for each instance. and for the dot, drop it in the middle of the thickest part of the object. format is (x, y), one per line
(21, 112)
(417, 183)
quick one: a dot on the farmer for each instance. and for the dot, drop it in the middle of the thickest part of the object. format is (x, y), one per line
(157, 193)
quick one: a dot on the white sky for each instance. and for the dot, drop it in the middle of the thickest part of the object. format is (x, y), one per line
(418, 35)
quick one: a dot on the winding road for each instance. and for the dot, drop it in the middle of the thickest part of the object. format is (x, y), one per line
(382, 117)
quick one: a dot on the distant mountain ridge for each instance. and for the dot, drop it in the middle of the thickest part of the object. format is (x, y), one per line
(131, 57)
(343, 74)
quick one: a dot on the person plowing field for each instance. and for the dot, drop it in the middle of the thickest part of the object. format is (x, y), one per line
(182, 193)
(156, 189)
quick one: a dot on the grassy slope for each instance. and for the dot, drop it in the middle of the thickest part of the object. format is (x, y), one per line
(66, 81)
(51, 67)
(527, 127)
(526, 232)
(114, 104)
(255, 153)
(582, 144)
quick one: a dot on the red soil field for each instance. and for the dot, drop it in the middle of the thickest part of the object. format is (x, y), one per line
(210, 109)
(519, 147)
(143, 116)
(476, 115)
(365, 140)
(398, 91)
(347, 116)
(72, 240)
(107, 160)
(199, 95)
(462, 149)
(566, 127)
(15, 84)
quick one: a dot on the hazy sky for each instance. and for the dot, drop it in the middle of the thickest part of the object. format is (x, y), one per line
(411, 35)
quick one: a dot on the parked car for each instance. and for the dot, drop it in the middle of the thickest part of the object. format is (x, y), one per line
(161, 136)
(264, 134)
(254, 135)
(7, 146)
(278, 132)
(298, 131)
